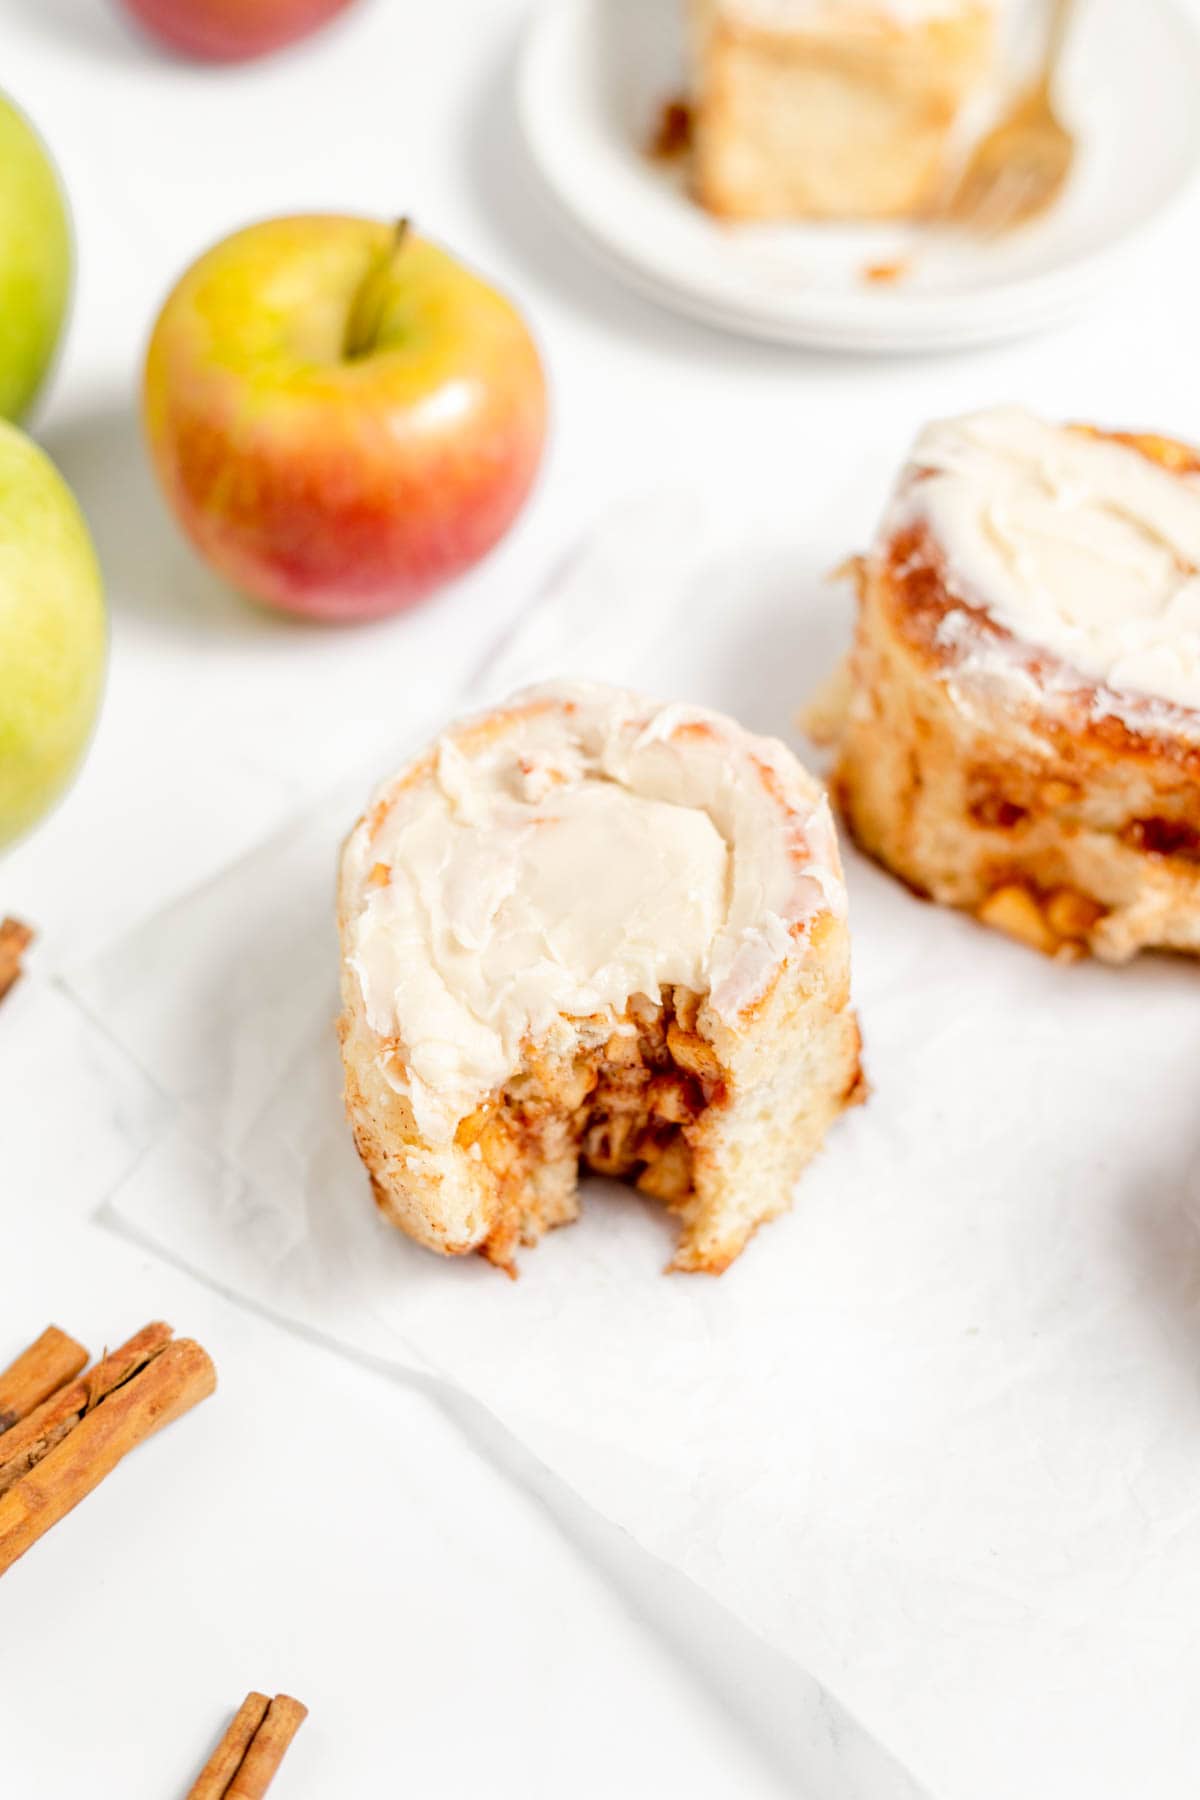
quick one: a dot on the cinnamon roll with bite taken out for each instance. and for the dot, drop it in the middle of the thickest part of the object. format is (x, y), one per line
(585, 930)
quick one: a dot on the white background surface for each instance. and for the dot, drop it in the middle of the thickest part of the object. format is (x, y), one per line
(317, 1528)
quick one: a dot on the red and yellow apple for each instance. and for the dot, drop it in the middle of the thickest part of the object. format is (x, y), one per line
(342, 416)
(232, 30)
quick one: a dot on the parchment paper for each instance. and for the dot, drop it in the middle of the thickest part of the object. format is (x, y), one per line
(937, 1434)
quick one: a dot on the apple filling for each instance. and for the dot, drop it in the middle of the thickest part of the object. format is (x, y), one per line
(623, 1106)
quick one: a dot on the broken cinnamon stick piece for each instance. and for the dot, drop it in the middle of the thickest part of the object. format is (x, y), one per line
(268, 1747)
(50, 1360)
(226, 1759)
(33, 1437)
(15, 939)
(169, 1385)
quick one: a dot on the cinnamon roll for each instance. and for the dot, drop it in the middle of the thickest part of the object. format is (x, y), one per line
(1021, 728)
(588, 931)
(830, 109)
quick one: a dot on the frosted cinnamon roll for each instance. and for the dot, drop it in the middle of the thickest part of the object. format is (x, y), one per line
(830, 109)
(585, 930)
(1021, 732)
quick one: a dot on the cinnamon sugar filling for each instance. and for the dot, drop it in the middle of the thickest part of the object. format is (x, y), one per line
(623, 1108)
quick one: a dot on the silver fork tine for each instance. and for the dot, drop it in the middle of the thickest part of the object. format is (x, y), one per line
(1019, 166)
(1002, 202)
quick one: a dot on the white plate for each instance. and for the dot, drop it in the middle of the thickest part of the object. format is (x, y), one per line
(595, 72)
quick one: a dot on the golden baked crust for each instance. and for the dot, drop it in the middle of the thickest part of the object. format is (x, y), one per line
(1060, 813)
(813, 123)
(650, 1104)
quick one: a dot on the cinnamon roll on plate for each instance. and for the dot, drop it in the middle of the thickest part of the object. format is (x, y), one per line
(831, 109)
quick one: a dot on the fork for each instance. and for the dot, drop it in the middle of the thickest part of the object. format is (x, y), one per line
(1019, 168)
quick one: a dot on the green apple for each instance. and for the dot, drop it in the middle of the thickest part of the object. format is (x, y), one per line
(52, 633)
(35, 261)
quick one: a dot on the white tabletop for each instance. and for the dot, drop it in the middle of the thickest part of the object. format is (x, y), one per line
(455, 1621)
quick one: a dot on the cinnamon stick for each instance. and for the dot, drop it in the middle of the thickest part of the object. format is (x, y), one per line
(27, 1442)
(169, 1385)
(50, 1360)
(247, 1759)
(15, 939)
(268, 1747)
(226, 1759)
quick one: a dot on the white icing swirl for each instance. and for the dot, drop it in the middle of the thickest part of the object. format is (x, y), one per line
(1077, 545)
(578, 848)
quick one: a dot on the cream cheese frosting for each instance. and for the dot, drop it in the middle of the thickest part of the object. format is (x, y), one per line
(576, 849)
(1077, 545)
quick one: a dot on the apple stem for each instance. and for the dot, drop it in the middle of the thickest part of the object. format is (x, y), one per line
(371, 297)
